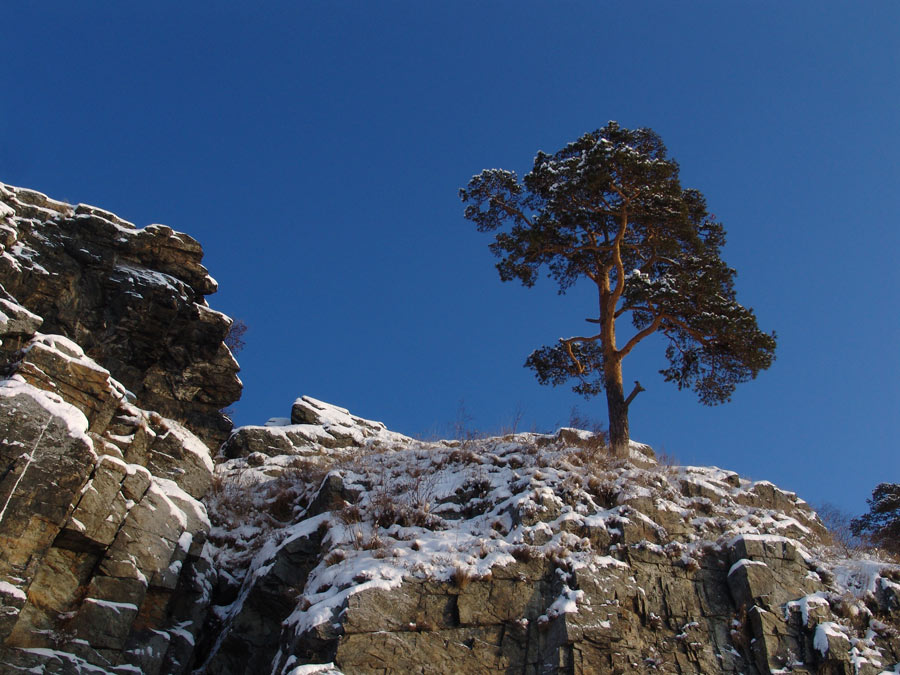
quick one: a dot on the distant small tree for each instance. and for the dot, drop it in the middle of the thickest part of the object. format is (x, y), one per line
(838, 523)
(609, 208)
(234, 338)
(881, 525)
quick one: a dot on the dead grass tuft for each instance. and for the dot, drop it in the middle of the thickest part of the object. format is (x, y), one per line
(462, 576)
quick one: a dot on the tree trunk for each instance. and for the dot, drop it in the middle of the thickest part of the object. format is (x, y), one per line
(618, 409)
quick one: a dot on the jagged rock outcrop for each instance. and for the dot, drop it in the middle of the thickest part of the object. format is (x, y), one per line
(525, 554)
(132, 299)
(104, 564)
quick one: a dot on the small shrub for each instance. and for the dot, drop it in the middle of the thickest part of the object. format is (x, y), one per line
(350, 514)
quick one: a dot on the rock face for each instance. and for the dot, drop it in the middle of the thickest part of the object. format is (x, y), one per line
(132, 299)
(104, 566)
(525, 554)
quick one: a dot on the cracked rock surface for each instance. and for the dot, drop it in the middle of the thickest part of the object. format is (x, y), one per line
(344, 545)
(112, 371)
(131, 298)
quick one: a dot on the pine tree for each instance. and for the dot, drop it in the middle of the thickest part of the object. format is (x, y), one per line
(609, 208)
(881, 525)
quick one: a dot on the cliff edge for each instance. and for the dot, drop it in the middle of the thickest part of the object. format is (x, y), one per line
(112, 373)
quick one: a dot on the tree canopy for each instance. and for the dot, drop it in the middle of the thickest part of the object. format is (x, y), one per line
(881, 525)
(609, 208)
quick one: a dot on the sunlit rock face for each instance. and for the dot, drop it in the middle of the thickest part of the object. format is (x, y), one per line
(103, 557)
(132, 299)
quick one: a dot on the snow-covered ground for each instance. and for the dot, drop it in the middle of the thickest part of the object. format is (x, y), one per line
(398, 508)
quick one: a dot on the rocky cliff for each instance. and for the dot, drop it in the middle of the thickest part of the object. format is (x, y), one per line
(132, 299)
(365, 551)
(322, 542)
(113, 372)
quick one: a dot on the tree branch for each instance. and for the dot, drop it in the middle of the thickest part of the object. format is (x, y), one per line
(572, 356)
(634, 392)
(620, 267)
(655, 325)
(648, 331)
(511, 210)
(579, 338)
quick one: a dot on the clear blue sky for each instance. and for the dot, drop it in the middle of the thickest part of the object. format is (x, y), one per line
(316, 150)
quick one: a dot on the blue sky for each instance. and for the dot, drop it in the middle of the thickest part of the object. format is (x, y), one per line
(316, 150)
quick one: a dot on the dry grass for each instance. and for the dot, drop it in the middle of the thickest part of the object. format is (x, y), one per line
(335, 556)
(462, 576)
(524, 553)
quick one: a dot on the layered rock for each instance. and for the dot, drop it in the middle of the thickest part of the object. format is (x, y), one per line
(528, 553)
(104, 566)
(133, 299)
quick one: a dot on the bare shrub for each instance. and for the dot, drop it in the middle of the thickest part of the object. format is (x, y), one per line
(740, 630)
(605, 492)
(306, 470)
(229, 501)
(512, 426)
(666, 462)
(234, 338)
(350, 514)
(383, 509)
(838, 524)
(594, 455)
(462, 425)
(558, 555)
(282, 496)
(578, 420)
(464, 455)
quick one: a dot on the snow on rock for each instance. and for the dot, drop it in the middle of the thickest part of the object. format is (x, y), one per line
(133, 297)
(515, 535)
(103, 558)
(830, 637)
(11, 591)
(75, 421)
